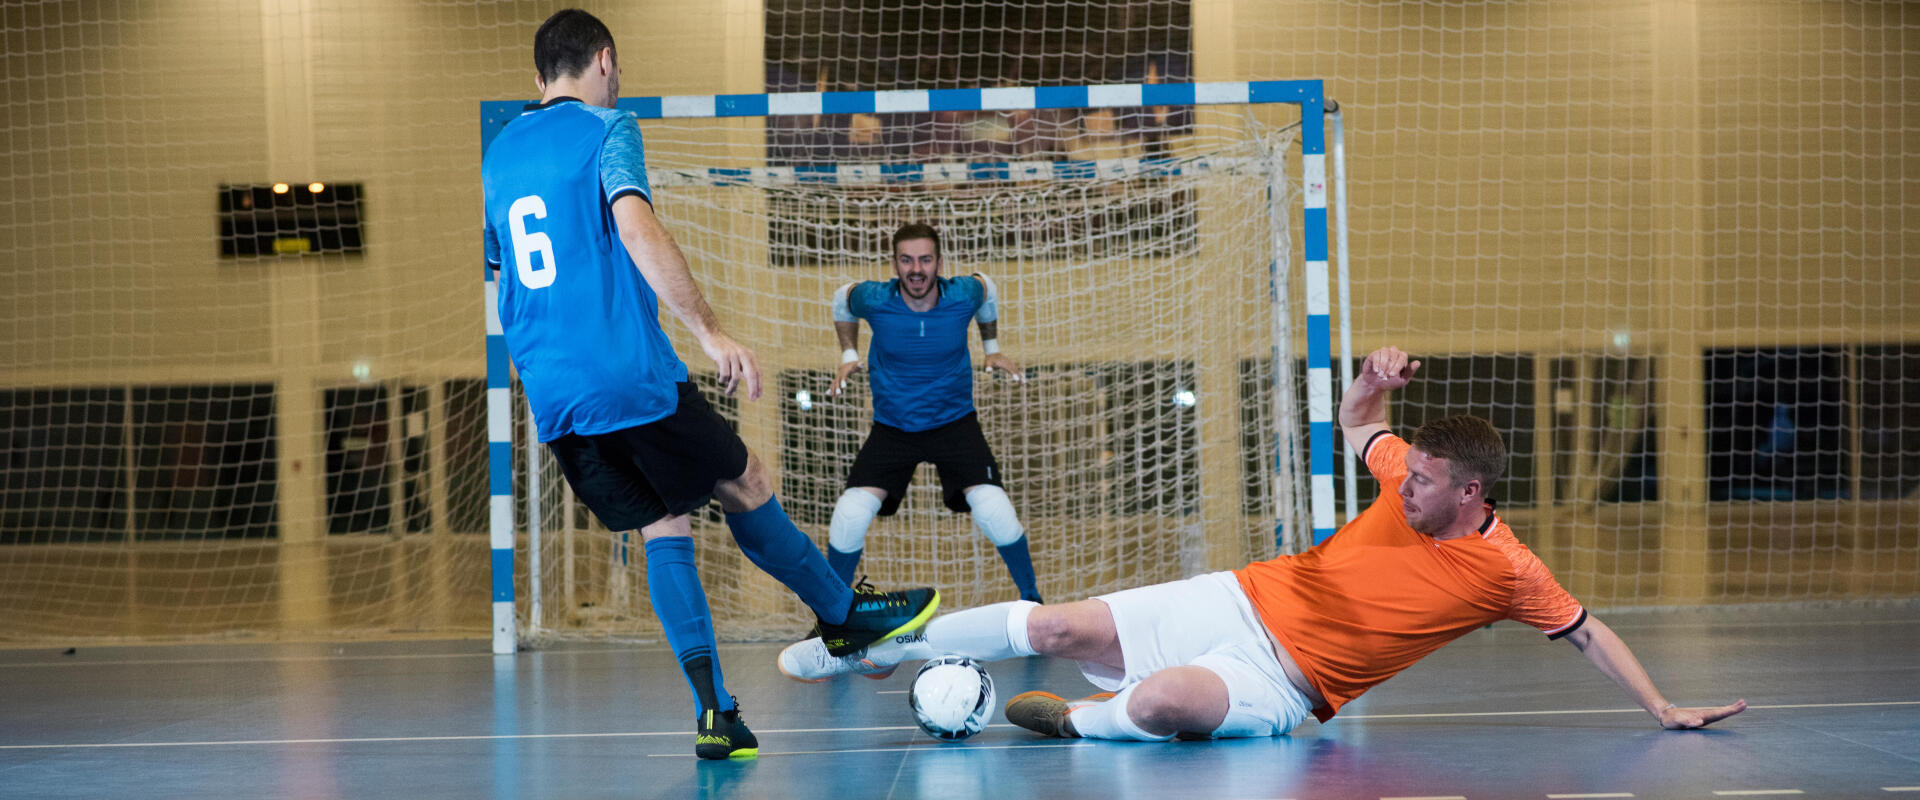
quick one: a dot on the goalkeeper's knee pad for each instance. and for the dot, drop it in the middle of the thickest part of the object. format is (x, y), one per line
(851, 517)
(993, 515)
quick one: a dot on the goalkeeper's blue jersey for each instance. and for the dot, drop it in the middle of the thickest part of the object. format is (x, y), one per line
(919, 366)
(581, 323)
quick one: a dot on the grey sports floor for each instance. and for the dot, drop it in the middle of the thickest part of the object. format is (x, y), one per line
(1501, 713)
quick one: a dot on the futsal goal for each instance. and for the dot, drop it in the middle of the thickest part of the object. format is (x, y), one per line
(1177, 407)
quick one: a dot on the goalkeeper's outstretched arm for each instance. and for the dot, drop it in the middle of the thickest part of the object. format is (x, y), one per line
(988, 318)
(846, 327)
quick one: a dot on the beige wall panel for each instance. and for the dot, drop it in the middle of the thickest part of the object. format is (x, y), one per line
(131, 123)
(1812, 154)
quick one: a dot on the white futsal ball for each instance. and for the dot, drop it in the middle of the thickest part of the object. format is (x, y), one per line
(952, 697)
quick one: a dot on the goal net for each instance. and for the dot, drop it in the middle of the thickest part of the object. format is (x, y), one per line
(1135, 253)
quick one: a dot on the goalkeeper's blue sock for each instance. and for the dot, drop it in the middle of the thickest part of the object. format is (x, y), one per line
(1020, 566)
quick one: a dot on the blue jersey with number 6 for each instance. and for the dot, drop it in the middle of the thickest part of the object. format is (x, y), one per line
(581, 323)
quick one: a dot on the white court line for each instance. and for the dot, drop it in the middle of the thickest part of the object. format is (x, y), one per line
(456, 738)
(1629, 624)
(344, 740)
(348, 739)
(1749, 792)
(295, 659)
(1900, 788)
(1452, 714)
(1643, 625)
(873, 728)
(467, 738)
(1594, 795)
(1429, 797)
(286, 659)
(925, 748)
(1573, 711)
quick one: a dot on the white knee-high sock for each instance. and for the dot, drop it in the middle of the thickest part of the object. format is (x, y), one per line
(988, 633)
(1109, 720)
(897, 649)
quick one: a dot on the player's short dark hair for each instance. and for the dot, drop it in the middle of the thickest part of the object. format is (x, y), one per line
(1470, 445)
(916, 230)
(567, 42)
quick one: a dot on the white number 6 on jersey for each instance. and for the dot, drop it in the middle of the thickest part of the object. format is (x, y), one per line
(526, 244)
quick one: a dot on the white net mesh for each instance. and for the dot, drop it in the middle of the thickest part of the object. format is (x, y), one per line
(1133, 292)
(218, 419)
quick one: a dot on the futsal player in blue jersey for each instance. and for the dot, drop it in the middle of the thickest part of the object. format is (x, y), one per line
(584, 265)
(922, 381)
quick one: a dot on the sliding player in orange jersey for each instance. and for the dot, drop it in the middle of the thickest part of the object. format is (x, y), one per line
(1254, 651)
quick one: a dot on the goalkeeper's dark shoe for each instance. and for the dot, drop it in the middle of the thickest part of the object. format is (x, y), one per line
(875, 616)
(722, 735)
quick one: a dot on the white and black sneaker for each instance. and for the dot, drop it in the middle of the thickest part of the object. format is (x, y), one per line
(809, 662)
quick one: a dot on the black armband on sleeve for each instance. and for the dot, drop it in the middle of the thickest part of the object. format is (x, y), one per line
(1368, 447)
(631, 190)
(1570, 628)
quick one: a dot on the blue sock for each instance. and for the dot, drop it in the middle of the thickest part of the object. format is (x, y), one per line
(673, 584)
(1020, 566)
(843, 564)
(779, 549)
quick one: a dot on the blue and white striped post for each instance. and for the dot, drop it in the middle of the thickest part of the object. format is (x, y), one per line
(500, 473)
(493, 117)
(1313, 178)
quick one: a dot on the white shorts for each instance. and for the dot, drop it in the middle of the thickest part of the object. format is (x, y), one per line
(1207, 622)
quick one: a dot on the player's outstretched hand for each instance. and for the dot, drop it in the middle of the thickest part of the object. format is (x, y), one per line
(840, 375)
(1675, 719)
(1001, 362)
(735, 363)
(1388, 368)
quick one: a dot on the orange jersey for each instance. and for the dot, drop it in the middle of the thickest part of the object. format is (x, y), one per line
(1379, 596)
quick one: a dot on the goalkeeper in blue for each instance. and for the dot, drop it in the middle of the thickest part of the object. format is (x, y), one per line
(584, 265)
(922, 381)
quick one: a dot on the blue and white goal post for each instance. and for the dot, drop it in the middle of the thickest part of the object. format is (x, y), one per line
(990, 193)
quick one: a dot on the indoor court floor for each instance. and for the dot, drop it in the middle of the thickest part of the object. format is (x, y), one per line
(1501, 713)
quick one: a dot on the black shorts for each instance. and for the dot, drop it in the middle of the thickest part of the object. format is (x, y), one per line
(957, 449)
(634, 477)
